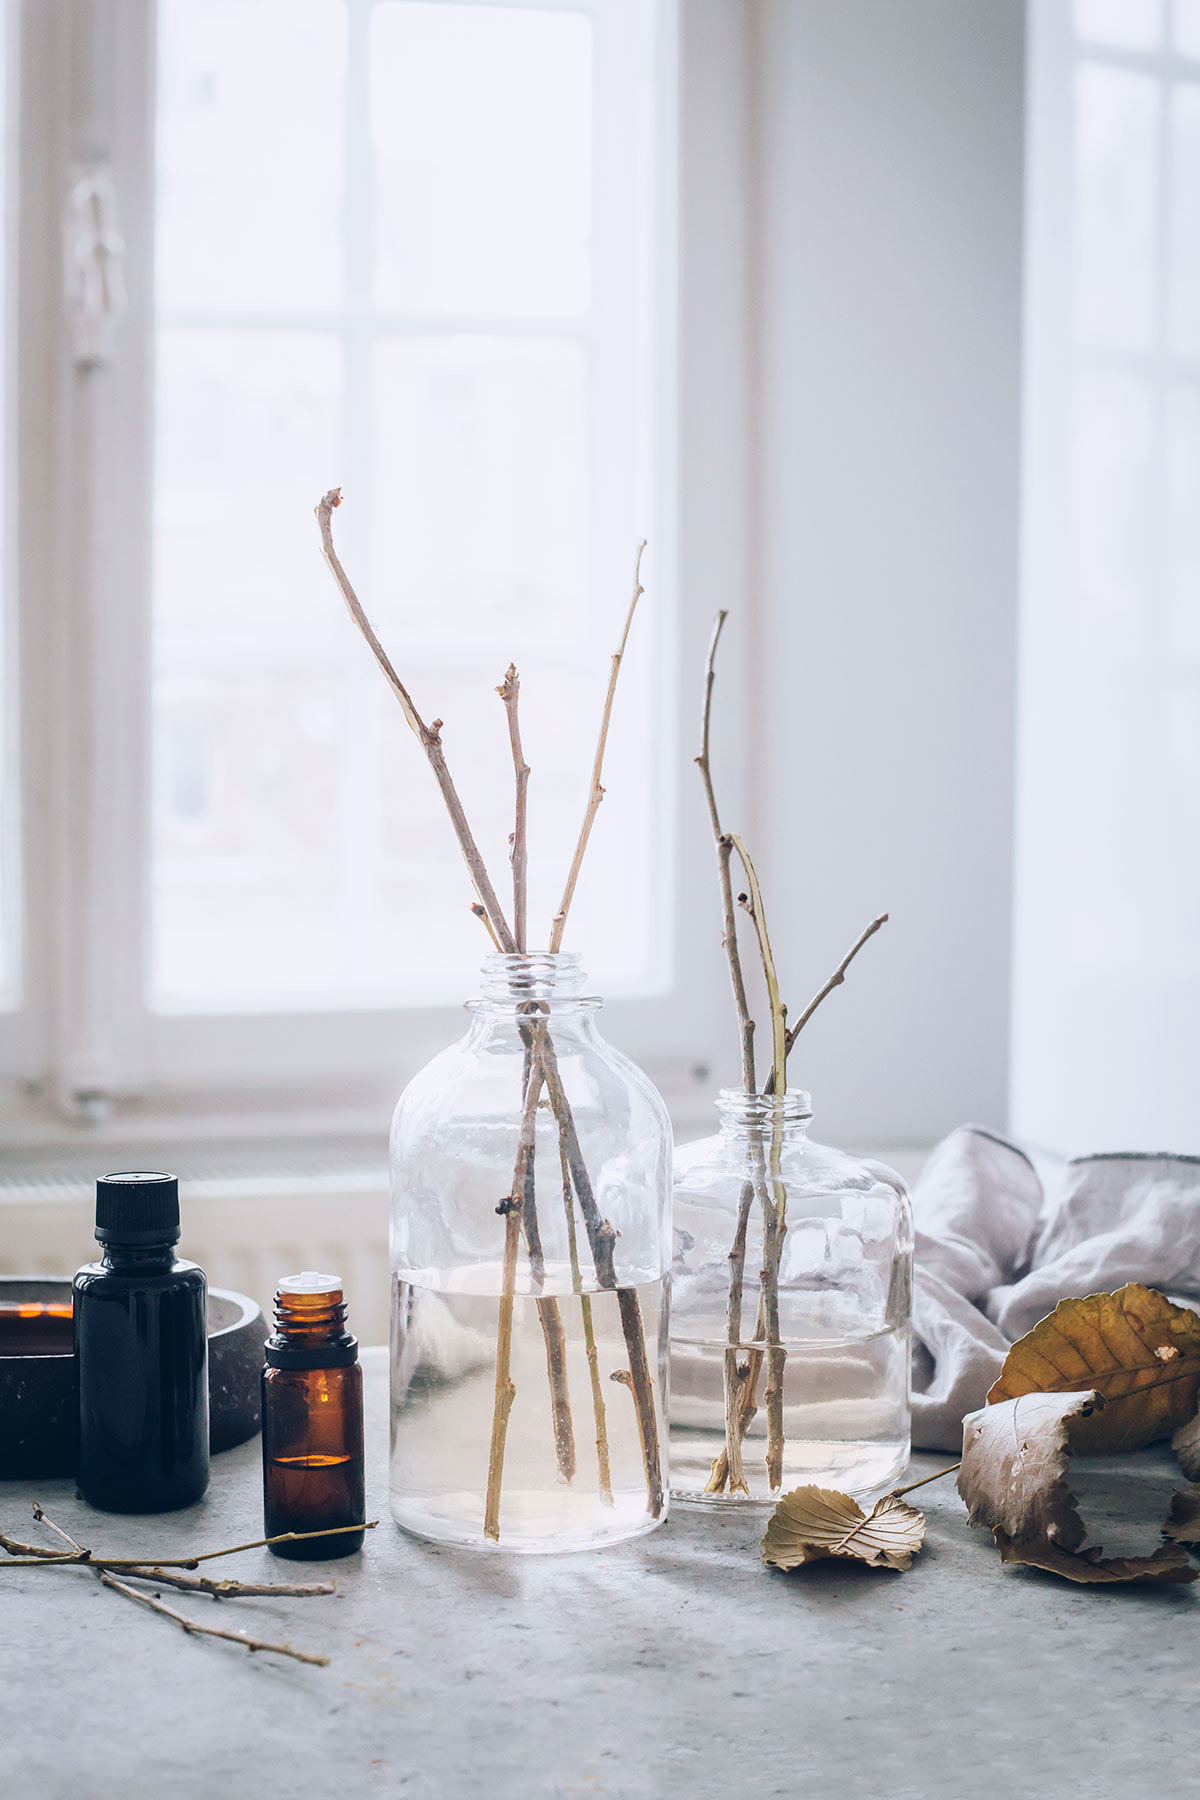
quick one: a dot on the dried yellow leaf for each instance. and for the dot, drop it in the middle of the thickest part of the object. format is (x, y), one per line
(812, 1524)
(1134, 1348)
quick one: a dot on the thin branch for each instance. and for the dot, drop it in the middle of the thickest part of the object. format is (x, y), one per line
(31, 1553)
(835, 980)
(481, 914)
(429, 735)
(506, 1392)
(195, 1630)
(599, 1416)
(774, 1209)
(227, 1589)
(510, 693)
(753, 903)
(924, 1481)
(724, 848)
(596, 794)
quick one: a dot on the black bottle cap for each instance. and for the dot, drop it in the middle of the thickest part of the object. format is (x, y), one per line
(137, 1206)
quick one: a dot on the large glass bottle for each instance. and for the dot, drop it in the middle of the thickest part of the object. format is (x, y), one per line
(530, 1179)
(790, 1325)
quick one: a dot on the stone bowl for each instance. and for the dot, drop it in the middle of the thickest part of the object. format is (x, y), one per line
(38, 1392)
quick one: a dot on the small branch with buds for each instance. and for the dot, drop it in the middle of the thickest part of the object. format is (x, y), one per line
(161, 1574)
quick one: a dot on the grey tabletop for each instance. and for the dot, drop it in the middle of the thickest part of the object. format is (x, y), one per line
(673, 1665)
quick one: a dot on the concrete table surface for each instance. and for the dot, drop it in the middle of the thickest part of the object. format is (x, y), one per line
(673, 1665)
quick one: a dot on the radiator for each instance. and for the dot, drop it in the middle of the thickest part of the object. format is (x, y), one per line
(248, 1218)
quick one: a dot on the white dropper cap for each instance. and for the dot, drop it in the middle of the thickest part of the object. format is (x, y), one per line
(309, 1281)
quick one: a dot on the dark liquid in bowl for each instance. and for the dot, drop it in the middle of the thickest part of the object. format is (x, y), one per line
(31, 1328)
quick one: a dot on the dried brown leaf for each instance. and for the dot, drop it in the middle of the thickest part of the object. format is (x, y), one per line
(1186, 1445)
(1183, 1520)
(811, 1524)
(1135, 1348)
(1013, 1479)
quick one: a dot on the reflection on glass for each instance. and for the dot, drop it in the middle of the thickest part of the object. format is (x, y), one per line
(481, 124)
(1116, 146)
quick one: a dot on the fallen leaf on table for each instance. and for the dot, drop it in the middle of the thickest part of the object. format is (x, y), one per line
(1013, 1479)
(1183, 1520)
(812, 1524)
(1135, 1348)
(1186, 1445)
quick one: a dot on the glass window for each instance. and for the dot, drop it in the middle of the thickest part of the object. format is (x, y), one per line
(392, 254)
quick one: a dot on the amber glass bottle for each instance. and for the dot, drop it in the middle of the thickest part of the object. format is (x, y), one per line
(312, 1413)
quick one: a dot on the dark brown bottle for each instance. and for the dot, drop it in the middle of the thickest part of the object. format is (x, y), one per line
(312, 1421)
(141, 1350)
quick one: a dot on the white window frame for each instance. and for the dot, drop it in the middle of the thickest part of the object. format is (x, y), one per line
(82, 1044)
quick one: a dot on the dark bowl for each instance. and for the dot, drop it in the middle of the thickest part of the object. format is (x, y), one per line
(38, 1394)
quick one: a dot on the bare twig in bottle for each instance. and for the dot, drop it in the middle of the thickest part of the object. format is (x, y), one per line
(481, 914)
(602, 1241)
(724, 848)
(589, 1331)
(196, 1630)
(734, 1470)
(506, 1391)
(775, 1203)
(596, 793)
(510, 692)
(730, 1462)
(428, 735)
(835, 980)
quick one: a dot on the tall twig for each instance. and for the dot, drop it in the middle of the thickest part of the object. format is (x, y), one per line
(724, 849)
(775, 1204)
(835, 980)
(429, 735)
(596, 792)
(510, 692)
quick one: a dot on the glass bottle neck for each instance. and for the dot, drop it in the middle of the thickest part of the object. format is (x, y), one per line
(764, 1118)
(549, 985)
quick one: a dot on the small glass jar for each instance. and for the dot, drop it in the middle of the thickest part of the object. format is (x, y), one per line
(791, 1309)
(530, 1181)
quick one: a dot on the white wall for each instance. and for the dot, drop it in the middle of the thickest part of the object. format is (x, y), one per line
(888, 377)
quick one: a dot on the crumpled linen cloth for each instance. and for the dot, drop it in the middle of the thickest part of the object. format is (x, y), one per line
(996, 1250)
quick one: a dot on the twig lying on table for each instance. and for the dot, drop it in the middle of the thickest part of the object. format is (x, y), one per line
(22, 1555)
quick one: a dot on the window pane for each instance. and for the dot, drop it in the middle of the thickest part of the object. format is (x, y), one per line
(1184, 292)
(10, 948)
(481, 471)
(1113, 514)
(1117, 207)
(1183, 524)
(1132, 24)
(301, 854)
(250, 133)
(1187, 27)
(481, 121)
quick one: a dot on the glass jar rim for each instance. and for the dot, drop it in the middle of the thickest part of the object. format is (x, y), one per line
(737, 1107)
